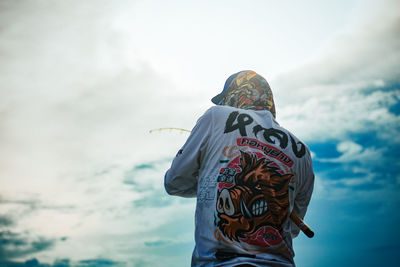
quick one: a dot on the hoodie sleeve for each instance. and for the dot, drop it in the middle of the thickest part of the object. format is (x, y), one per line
(181, 178)
(304, 194)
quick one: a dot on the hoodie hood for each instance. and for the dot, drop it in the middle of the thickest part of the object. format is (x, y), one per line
(246, 90)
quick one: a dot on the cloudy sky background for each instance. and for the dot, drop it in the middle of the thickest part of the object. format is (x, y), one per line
(83, 82)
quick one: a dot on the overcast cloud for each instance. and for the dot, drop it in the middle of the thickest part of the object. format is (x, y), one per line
(83, 82)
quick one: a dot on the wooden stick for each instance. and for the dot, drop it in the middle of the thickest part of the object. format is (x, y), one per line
(302, 225)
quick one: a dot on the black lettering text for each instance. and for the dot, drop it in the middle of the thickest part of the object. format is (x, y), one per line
(242, 121)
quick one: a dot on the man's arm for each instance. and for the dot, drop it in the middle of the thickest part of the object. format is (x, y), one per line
(181, 178)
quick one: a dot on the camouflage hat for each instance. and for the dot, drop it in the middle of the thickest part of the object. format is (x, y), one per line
(246, 90)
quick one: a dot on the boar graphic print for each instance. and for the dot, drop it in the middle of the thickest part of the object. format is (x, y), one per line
(254, 207)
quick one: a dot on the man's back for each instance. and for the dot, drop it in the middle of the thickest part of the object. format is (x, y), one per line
(248, 175)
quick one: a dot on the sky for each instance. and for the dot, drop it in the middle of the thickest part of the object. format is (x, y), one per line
(83, 82)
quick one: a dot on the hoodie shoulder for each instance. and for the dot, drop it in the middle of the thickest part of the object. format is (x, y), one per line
(221, 112)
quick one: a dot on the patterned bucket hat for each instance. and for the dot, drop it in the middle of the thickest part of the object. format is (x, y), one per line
(246, 90)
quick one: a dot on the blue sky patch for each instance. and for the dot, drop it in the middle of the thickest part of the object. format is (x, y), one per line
(326, 149)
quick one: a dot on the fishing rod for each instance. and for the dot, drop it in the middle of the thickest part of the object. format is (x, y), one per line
(302, 225)
(169, 128)
(293, 216)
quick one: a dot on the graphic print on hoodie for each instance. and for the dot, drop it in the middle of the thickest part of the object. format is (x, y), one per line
(252, 203)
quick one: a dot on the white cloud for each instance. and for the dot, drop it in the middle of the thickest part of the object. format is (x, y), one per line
(88, 110)
(353, 152)
(335, 116)
(349, 148)
(331, 96)
(104, 210)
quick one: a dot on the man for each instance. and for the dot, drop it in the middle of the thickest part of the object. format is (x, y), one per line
(248, 174)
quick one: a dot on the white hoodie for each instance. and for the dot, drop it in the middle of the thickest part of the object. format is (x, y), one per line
(248, 174)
